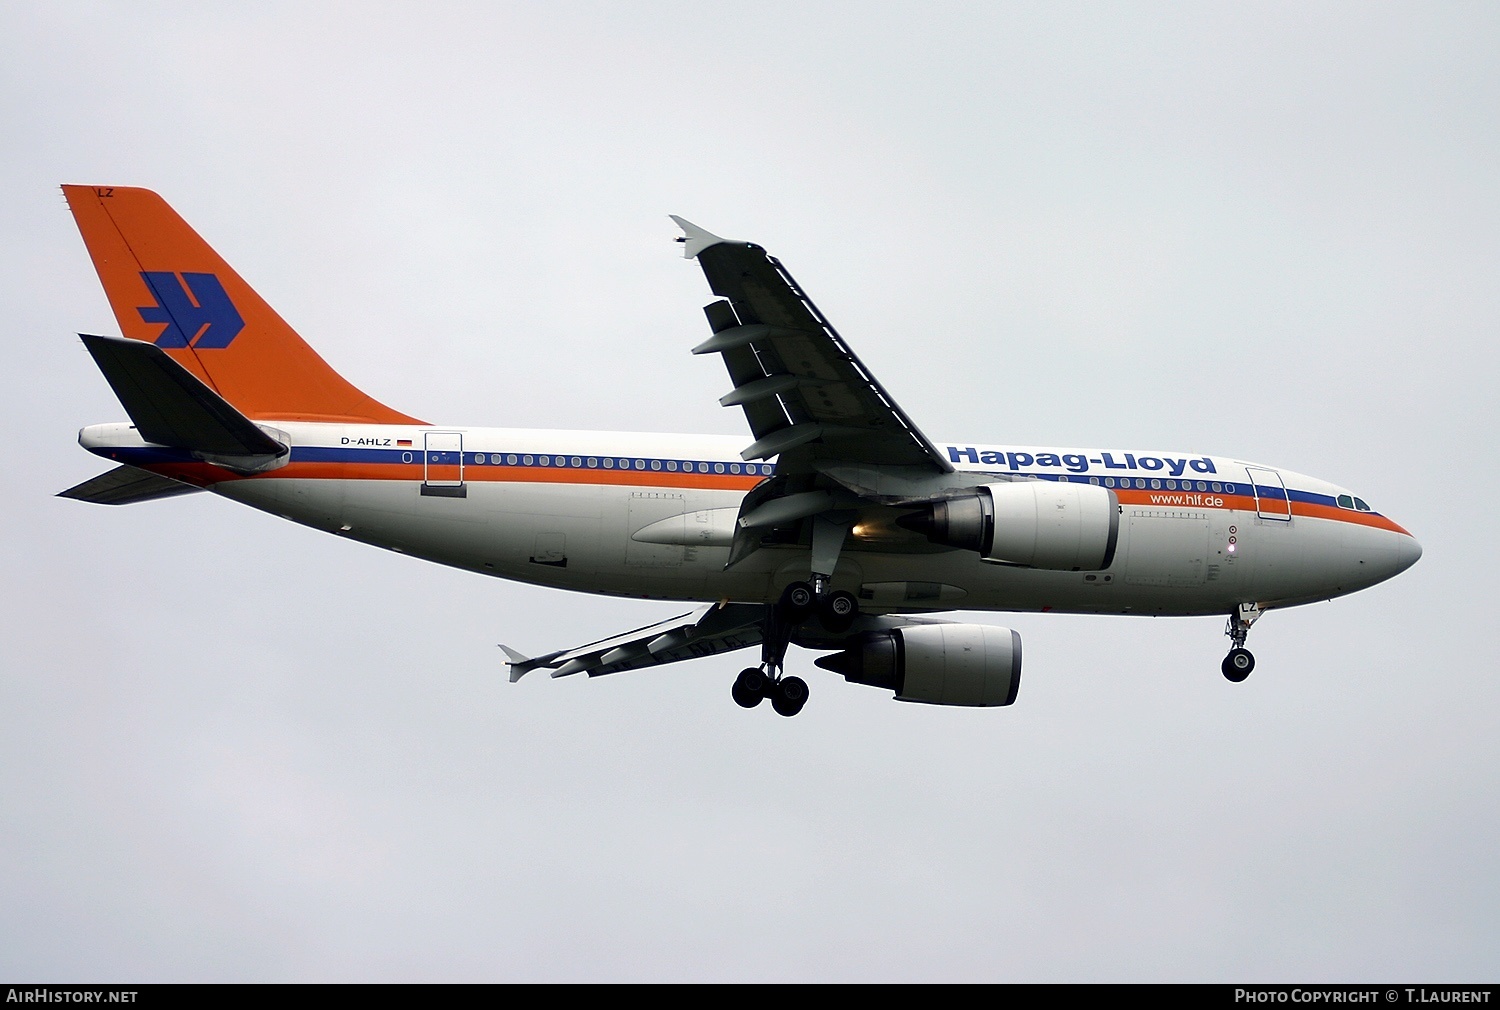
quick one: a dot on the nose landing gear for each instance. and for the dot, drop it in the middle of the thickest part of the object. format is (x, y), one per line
(1238, 664)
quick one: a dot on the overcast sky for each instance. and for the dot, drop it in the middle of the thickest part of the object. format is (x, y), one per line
(232, 748)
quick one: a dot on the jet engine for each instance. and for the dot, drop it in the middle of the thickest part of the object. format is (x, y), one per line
(940, 664)
(1034, 524)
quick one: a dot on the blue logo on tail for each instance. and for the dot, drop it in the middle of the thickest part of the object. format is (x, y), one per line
(196, 309)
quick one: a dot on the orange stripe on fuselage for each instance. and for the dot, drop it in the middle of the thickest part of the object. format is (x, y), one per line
(1246, 503)
(1231, 502)
(204, 473)
(1315, 511)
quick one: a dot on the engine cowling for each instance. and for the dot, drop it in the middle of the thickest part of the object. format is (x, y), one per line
(1035, 524)
(973, 665)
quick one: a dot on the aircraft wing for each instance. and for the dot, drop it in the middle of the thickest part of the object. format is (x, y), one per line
(707, 632)
(808, 398)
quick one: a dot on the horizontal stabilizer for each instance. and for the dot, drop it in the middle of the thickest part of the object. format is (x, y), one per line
(171, 406)
(126, 485)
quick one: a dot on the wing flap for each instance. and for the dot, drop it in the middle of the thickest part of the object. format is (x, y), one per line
(708, 632)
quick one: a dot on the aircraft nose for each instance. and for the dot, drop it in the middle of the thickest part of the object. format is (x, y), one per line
(1410, 551)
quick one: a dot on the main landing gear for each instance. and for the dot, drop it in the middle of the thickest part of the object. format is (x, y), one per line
(799, 602)
(787, 694)
(1238, 664)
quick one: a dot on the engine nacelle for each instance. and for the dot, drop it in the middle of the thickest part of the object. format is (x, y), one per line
(1032, 523)
(940, 664)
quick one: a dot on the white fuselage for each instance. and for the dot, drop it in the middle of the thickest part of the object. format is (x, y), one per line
(651, 516)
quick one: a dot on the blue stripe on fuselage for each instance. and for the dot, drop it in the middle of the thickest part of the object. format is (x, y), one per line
(148, 455)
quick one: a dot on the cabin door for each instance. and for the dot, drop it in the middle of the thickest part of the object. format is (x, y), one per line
(443, 464)
(1271, 499)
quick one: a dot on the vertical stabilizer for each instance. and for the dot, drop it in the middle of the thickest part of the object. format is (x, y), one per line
(168, 287)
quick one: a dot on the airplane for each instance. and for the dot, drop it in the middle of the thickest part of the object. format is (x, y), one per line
(840, 528)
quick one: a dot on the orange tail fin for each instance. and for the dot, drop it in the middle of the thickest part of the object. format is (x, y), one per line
(168, 287)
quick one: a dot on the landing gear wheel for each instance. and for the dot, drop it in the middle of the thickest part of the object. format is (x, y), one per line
(837, 611)
(1237, 665)
(789, 695)
(797, 601)
(750, 687)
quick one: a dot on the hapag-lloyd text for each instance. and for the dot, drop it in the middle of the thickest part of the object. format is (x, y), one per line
(1078, 462)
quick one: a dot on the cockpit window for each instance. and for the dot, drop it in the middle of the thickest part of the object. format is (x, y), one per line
(1346, 501)
(1350, 502)
(1359, 503)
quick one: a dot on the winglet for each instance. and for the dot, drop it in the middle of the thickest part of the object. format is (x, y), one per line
(694, 239)
(519, 665)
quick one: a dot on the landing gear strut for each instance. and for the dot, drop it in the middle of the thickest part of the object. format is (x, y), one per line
(799, 602)
(755, 684)
(835, 610)
(1238, 664)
